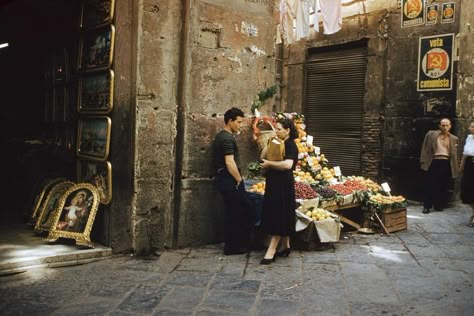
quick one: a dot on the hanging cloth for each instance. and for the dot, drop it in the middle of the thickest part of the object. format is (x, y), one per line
(331, 12)
(315, 5)
(302, 19)
(287, 16)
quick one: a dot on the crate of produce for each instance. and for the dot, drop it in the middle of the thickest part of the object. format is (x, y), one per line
(394, 220)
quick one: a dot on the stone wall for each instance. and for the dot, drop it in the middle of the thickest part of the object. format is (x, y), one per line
(196, 59)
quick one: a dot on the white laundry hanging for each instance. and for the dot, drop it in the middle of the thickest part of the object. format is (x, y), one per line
(331, 12)
(302, 19)
(287, 16)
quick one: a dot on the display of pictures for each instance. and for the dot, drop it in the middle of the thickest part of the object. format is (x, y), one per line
(99, 174)
(96, 92)
(97, 48)
(45, 217)
(448, 12)
(435, 63)
(75, 214)
(432, 13)
(413, 13)
(93, 138)
(96, 12)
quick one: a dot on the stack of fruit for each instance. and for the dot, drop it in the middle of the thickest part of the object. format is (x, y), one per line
(318, 214)
(304, 191)
(383, 199)
(368, 183)
(258, 188)
(326, 174)
(301, 176)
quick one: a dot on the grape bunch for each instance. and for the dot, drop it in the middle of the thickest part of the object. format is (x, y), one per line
(325, 192)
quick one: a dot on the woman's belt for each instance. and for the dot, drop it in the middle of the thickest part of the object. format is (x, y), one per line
(441, 157)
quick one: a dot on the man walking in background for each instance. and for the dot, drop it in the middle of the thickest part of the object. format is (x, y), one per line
(439, 158)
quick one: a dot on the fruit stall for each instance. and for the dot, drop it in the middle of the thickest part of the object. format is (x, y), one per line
(326, 198)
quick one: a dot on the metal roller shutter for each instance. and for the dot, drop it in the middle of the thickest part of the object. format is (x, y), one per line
(334, 101)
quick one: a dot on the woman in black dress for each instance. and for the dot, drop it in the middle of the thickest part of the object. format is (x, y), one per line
(467, 169)
(278, 215)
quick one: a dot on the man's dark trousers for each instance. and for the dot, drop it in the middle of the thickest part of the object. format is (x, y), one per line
(438, 179)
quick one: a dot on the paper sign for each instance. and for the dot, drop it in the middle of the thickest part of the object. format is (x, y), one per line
(385, 187)
(309, 140)
(317, 150)
(310, 161)
(337, 171)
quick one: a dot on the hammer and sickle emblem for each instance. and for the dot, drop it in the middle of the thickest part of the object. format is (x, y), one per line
(436, 61)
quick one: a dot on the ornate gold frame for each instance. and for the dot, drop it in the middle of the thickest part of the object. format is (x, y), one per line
(89, 35)
(80, 104)
(39, 198)
(83, 237)
(80, 138)
(106, 20)
(108, 167)
(57, 189)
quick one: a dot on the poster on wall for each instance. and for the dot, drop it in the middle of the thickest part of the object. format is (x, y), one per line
(435, 63)
(432, 13)
(448, 11)
(413, 12)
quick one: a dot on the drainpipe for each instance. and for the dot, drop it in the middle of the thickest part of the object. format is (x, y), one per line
(180, 120)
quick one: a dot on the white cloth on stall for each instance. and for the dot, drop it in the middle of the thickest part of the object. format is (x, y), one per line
(302, 18)
(331, 12)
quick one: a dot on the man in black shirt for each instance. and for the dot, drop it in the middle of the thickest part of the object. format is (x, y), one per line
(230, 184)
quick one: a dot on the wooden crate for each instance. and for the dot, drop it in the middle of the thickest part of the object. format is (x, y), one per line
(395, 220)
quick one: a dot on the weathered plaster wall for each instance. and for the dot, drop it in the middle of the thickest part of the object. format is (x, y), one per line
(231, 60)
(159, 24)
(196, 59)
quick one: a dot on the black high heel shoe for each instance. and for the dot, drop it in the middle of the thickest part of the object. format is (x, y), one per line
(284, 253)
(268, 261)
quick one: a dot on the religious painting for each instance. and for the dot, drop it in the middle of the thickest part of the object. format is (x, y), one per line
(75, 214)
(413, 13)
(97, 12)
(96, 92)
(99, 174)
(42, 190)
(97, 48)
(448, 12)
(45, 215)
(93, 138)
(435, 63)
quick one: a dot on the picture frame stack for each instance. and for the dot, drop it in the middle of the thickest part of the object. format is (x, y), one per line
(95, 95)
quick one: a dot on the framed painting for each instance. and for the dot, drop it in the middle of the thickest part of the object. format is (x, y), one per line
(96, 92)
(45, 215)
(42, 191)
(60, 65)
(75, 214)
(93, 138)
(97, 48)
(59, 103)
(99, 174)
(97, 12)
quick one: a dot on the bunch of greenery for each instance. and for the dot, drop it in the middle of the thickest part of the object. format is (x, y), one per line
(263, 96)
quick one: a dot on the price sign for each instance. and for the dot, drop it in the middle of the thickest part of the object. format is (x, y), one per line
(317, 150)
(309, 140)
(337, 171)
(310, 161)
(386, 187)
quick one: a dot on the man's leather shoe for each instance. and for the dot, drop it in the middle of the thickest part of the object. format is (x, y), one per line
(426, 211)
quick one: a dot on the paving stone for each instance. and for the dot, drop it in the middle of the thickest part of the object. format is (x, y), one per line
(229, 301)
(369, 309)
(144, 299)
(430, 251)
(268, 307)
(88, 306)
(205, 312)
(458, 251)
(235, 284)
(167, 312)
(26, 308)
(183, 298)
(364, 276)
(200, 263)
(190, 278)
(444, 239)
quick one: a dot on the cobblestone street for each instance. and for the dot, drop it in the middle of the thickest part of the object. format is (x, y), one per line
(425, 270)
